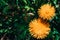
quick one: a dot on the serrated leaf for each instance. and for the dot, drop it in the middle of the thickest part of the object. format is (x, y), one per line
(57, 37)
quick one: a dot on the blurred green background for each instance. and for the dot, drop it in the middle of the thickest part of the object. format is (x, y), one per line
(15, 16)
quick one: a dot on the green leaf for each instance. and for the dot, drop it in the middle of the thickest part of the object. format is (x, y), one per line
(6, 9)
(55, 31)
(3, 2)
(24, 1)
(1, 31)
(27, 7)
(55, 1)
(0, 24)
(57, 37)
(17, 2)
(5, 30)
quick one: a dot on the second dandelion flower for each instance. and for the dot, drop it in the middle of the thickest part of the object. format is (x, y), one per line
(39, 29)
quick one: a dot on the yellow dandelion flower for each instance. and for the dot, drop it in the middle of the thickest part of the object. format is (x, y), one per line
(46, 11)
(39, 29)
